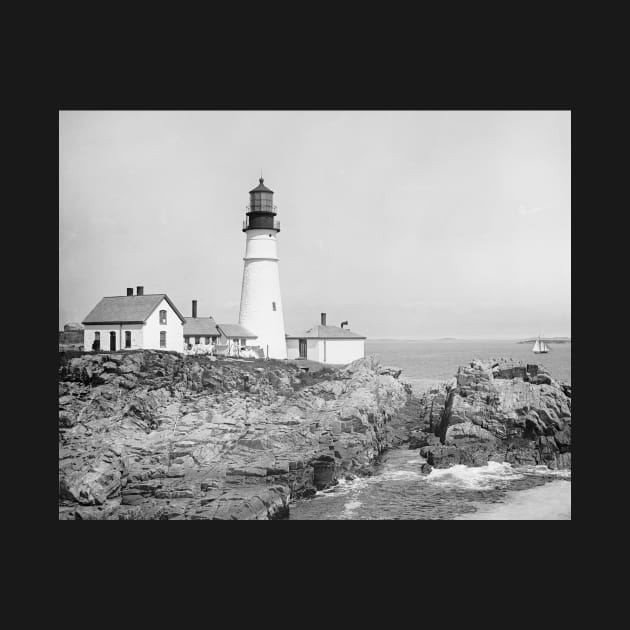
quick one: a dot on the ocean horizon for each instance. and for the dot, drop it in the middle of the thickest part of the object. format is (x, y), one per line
(426, 362)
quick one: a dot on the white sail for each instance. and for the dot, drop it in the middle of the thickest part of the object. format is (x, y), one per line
(536, 347)
(545, 348)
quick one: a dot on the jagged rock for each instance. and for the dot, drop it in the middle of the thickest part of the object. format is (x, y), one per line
(180, 422)
(97, 478)
(394, 372)
(67, 419)
(467, 432)
(502, 412)
(441, 456)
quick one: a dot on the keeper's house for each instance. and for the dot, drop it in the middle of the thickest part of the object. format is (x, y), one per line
(134, 322)
(326, 344)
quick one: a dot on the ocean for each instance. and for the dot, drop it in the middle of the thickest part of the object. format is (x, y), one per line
(398, 490)
(426, 362)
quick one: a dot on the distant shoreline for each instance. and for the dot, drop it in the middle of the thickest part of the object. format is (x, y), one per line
(512, 339)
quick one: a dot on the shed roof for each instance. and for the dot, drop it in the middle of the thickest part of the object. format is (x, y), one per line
(327, 332)
(236, 331)
(127, 309)
(200, 326)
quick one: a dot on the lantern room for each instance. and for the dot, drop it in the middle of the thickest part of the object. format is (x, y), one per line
(261, 211)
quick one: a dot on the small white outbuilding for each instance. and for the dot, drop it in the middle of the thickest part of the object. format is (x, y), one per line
(134, 322)
(200, 331)
(235, 340)
(326, 344)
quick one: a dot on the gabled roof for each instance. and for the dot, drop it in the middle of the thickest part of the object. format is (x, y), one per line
(236, 331)
(200, 326)
(127, 309)
(326, 332)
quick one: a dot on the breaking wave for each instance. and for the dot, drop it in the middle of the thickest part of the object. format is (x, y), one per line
(475, 478)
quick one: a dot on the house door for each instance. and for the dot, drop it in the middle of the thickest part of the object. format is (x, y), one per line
(112, 340)
(302, 348)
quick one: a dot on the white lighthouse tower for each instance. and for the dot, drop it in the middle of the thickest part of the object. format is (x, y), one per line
(261, 304)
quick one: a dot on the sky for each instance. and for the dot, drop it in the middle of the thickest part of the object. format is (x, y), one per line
(407, 224)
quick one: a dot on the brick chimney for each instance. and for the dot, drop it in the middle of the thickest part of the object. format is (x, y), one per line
(129, 291)
(323, 319)
(139, 290)
(194, 309)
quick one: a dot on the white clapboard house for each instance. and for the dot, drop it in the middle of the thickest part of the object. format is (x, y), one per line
(326, 344)
(134, 322)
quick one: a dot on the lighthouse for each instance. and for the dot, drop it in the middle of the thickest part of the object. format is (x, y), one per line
(261, 304)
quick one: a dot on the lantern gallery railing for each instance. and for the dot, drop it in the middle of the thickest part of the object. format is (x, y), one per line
(257, 224)
(261, 208)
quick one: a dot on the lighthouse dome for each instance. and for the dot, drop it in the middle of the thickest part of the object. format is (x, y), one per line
(261, 187)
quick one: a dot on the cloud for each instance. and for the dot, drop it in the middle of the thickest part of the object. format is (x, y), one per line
(525, 211)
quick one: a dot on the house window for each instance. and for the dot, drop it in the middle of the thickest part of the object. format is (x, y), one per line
(127, 339)
(197, 339)
(162, 339)
(162, 317)
(97, 341)
(273, 305)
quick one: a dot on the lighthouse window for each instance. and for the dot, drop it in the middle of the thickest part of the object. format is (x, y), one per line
(273, 306)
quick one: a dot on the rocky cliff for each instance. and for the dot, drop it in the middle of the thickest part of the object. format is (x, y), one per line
(158, 435)
(496, 411)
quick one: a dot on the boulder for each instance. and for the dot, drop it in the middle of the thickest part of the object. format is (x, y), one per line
(95, 479)
(466, 433)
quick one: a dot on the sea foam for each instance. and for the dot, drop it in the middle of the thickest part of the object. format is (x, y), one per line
(475, 478)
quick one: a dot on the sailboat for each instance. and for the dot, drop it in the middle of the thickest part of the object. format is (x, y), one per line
(540, 347)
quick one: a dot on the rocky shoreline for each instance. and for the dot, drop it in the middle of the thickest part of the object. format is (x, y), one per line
(158, 435)
(496, 411)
